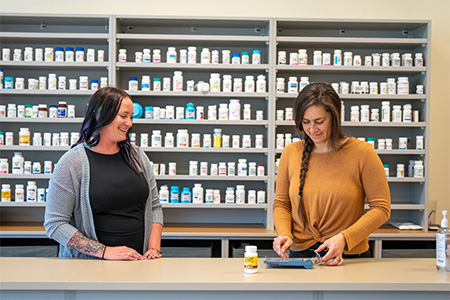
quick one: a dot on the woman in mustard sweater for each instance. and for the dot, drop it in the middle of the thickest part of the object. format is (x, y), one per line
(322, 183)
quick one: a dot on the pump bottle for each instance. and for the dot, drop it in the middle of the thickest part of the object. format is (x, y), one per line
(443, 245)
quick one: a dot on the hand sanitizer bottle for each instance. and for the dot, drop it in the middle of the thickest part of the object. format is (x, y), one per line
(443, 245)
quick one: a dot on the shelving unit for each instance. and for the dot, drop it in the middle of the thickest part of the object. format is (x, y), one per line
(269, 35)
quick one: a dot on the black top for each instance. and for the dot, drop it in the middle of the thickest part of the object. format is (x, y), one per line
(117, 197)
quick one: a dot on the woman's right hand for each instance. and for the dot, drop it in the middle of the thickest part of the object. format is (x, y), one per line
(281, 244)
(122, 253)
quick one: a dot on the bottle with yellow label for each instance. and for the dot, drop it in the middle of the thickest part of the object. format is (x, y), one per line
(6, 193)
(251, 259)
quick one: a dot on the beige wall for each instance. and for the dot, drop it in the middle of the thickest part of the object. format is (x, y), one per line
(438, 11)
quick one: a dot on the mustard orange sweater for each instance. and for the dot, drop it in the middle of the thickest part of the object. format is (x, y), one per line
(336, 185)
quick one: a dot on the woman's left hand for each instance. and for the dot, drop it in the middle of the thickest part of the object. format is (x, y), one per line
(152, 253)
(335, 246)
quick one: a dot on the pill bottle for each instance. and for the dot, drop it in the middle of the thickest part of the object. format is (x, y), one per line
(381, 144)
(17, 56)
(231, 169)
(418, 169)
(90, 55)
(302, 57)
(205, 56)
(9, 83)
(326, 59)
(64, 140)
(138, 57)
(166, 84)
(156, 84)
(47, 140)
(207, 143)
(203, 168)
(293, 58)
(418, 60)
(289, 114)
(293, 85)
(256, 57)
(388, 144)
(317, 58)
(122, 55)
(156, 55)
(69, 54)
(242, 167)
(287, 139)
(27, 168)
(195, 140)
(397, 113)
(182, 138)
(281, 57)
(400, 170)
(245, 59)
(251, 169)
(354, 115)
(259, 141)
(249, 84)
(280, 85)
(385, 60)
(174, 194)
(261, 84)
(214, 82)
(222, 170)
(217, 138)
(164, 194)
(407, 60)
(374, 115)
(197, 193)
(192, 55)
(385, 111)
(31, 191)
(226, 58)
(100, 56)
(235, 59)
(215, 57)
(365, 113)
(247, 112)
(240, 194)
(403, 86)
(17, 163)
(38, 54)
(171, 55)
(6, 54)
(225, 141)
(209, 196)
(259, 115)
(172, 168)
(79, 54)
(6, 193)
(357, 62)
(229, 195)
(407, 113)
(348, 58)
(246, 141)
(24, 137)
(402, 143)
(193, 167)
(419, 142)
(186, 195)
(169, 140)
(178, 81)
(223, 111)
(144, 140)
(237, 85)
(234, 110)
(443, 245)
(48, 54)
(227, 83)
(337, 57)
(304, 81)
(251, 197)
(19, 193)
(364, 87)
(261, 197)
(20, 83)
(156, 138)
(236, 141)
(395, 59)
(280, 141)
(36, 167)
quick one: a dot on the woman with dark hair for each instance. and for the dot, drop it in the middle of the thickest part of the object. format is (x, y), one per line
(102, 198)
(322, 183)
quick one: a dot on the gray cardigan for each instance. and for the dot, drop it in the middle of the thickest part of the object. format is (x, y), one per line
(68, 208)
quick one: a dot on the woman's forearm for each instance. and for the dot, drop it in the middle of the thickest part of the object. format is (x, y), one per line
(86, 245)
(154, 241)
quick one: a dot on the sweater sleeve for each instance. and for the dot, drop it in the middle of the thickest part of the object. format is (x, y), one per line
(376, 189)
(153, 199)
(61, 201)
(282, 209)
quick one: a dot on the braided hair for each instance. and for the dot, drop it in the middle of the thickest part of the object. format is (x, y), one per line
(316, 94)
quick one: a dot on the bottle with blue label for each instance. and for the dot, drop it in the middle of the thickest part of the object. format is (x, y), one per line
(190, 111)
(174, 194)
(186, 195)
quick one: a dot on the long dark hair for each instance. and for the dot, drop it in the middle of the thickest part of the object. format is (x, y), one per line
(101, 111)
(324, 95)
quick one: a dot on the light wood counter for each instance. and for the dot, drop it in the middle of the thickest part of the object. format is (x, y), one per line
(195, 278)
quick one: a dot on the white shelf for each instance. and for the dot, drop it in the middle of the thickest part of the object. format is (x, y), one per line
(387, 152)
(181, 37)
(42, 120)
(418, 207)
(192, 67)
(406, 179)
(350, 69)
(25, 176)
(202, 122)
(53, 65)
(365, 124)
(34, 148)
(199, 94)
(210, 178)
(55, 36)
(215, 205)
(363, 96)
(206, 150)
(48, 92)
(22, 204)
(376, 42)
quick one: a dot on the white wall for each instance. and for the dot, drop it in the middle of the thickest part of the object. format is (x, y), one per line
(438, 11)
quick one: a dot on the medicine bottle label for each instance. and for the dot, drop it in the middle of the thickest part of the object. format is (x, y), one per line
(251, 262)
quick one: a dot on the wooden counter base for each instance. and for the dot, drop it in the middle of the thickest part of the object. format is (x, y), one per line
(219, 278)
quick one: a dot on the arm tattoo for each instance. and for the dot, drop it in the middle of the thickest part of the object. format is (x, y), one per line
(85, 245)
